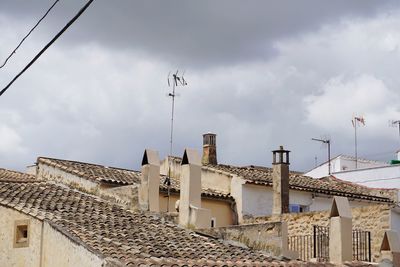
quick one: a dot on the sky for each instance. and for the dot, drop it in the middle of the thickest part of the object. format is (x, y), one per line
(260, 74)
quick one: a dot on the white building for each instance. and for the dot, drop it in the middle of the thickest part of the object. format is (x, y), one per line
(370, 173)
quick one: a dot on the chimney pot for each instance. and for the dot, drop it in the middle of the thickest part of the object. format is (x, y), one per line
(280, 181)
(209, 149)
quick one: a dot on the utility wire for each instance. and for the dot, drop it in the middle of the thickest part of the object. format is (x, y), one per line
(26, 36)
(48, 45)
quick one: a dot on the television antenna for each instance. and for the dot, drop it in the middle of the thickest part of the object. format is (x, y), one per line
(328, 142)
(356, 121)
(173, 81)
(395, 124)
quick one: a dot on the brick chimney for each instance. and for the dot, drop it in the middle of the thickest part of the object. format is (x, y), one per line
(209, 149)
(280, 181)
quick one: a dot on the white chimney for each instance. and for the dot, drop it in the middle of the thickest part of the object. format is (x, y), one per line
(190, 212)
(150, 182)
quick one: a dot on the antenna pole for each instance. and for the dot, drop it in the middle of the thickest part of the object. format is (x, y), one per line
(172, 117)
(328, 142)
(355, 141)
(175, 80)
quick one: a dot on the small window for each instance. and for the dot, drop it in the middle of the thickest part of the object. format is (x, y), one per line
(21, 234)
(296, 208)
(213, 222)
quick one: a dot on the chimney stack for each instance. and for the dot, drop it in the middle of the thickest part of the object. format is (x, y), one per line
(150, 182)
(209, 149)
(190, 212)
(280, 181)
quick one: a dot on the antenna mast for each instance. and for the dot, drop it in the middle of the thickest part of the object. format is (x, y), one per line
(355, 120)
(328, 142)
(176, 80)
(396, 124)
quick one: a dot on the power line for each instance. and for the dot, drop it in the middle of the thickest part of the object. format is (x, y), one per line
(26, 36)
(48, 45)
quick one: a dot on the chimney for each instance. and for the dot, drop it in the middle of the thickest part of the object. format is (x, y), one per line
(190, 212)
(280, 181)
(209, 149)
(150, 182)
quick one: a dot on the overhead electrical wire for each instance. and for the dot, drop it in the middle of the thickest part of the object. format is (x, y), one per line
(26, 36)
(47, 46)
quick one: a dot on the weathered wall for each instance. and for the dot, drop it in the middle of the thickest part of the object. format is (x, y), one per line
(46, 172)
(217, 180)
(374, 218)
(60, 251)
(126, 195)
(19, 257)
(262, 236)
(220, 210)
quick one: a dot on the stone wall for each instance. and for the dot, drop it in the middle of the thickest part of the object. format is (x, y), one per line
(373, 218)
(261, 236)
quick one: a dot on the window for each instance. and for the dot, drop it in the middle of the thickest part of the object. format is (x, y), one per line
(296, 208)
(21, 234)
(213, 222)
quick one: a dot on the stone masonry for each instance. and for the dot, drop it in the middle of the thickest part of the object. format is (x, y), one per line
(374, 218)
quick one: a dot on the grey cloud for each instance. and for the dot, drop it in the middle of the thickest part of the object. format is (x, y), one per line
(194, 33)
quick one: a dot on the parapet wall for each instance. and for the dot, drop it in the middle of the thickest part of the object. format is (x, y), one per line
(373, 218)
(260, 236)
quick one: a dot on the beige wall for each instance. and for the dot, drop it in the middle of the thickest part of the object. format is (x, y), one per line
(19, 257)
(46, 172)
(220, 210)
(214, 179)
(373, 218)
(60, 251)
(47, 247)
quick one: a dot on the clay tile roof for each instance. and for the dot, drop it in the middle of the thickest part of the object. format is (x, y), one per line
(13, 176)
(94, 172)
(109, 231)
(297, 181)
(205, 192)
(99, 173)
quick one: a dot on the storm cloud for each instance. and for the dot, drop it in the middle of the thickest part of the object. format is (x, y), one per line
(260, 74)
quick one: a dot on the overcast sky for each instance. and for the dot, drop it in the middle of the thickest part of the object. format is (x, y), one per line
(260, 74)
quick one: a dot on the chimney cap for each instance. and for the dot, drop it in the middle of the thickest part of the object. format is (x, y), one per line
(280, 150)
(150, 157)
(190, 156)
(209, 133)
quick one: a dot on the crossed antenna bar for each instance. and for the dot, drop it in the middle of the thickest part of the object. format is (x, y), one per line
(328, 142)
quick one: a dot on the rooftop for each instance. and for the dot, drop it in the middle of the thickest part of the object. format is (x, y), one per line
(297, 181)
(105, 174)
(109, 231)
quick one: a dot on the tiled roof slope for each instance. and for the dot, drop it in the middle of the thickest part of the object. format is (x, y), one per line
(333, 186)
(128, 237)
(93, 172)
(13, 176)
(99, 173)
(205, 192)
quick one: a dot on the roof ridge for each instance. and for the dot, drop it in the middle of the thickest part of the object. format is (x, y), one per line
(88, 163)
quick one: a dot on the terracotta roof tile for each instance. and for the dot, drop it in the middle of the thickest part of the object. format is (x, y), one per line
(13, 176)
(94, 172)
(112, 232)
(328, 185)
(105, 174)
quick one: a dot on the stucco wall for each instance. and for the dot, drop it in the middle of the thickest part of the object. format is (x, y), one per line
(214, 179)
(373, 218)
(50, 173)
(19, 257)
(60, 251)
(220, 210)
(257, 200)
(47, 247)
(262, 236)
